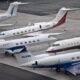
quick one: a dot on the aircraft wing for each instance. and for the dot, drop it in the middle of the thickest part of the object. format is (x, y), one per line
(32, 34)
(39, 33)
(5, 25)
(74, 69)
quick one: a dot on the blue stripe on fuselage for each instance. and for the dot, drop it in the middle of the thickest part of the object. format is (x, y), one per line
(18, 47)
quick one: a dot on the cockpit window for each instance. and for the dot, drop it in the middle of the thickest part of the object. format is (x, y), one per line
(2, 34)
(56, 45)
(50, 36)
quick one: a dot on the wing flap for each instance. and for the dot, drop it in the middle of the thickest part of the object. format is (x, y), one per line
(39, 34)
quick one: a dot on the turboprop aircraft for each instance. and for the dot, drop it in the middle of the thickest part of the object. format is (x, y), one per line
(69, 62)
(37, 28)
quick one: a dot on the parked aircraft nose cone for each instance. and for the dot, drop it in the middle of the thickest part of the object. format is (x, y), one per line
(50, 49)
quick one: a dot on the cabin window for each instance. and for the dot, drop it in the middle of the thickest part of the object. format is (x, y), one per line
(21, 31)
(16, 43)
(29, 41)
(25, 31)
(56, 45)
(13, 33)
(17, 32)
(78, 57)
(38, 40)
(32, 29)
(29, 30)
(73, 58)
(25, 42)
(21, 43)
(33, 40)
(50, 36)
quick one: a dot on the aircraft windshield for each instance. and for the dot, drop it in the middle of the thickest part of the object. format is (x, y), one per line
(55, 44)
(2, 34)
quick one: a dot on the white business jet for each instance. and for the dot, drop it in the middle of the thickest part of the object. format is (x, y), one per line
(62, 45)
(69, 62)
(37, 28)
(6, 46)
(11, 12)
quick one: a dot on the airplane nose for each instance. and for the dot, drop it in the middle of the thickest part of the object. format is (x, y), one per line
(50, 49)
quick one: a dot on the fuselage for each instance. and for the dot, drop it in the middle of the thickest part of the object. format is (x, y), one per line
(57, 61)
(26, 41)
(26, 30)
(41, 26)
(73, 43)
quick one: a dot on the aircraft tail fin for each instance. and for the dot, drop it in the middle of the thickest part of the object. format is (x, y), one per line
(23, 55)
(61, 15)
(12, 10)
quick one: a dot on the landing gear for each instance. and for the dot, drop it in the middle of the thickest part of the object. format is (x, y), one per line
(12, 55)
(58, 70)
(7, 54)
(55, 53)
(66, 72)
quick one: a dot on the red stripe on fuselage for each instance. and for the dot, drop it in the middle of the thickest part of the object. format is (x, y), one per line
(61, 21)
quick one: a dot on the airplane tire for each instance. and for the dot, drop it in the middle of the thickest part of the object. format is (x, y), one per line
(57, 69)
(66, 72)
(12, 55)
(6, 53)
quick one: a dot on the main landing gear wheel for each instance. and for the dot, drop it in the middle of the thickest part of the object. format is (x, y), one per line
(58, 70)
(66, 72)
(6, 53)
(12, 55)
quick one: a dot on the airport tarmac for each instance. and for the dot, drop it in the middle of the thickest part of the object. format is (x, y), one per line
(70, 29)
(42, 7)
(12, 73)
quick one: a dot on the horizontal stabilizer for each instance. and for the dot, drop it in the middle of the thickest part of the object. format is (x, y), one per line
(5, 25)
(17, 3)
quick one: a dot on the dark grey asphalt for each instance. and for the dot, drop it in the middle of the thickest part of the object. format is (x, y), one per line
(43, 7)
(11, 73)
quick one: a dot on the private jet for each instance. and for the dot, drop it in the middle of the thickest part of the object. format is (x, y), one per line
(6, 45)
(69, 62)
(38, 28)
(63, 45)
(11, 12)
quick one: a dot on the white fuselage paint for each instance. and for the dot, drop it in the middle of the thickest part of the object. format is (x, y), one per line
(26, 41)
(64, 44)
(26, 30)
(57, 59)
(58, 20)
